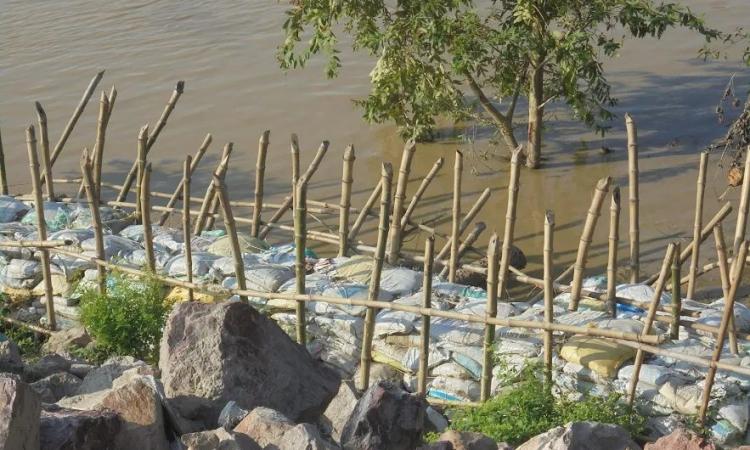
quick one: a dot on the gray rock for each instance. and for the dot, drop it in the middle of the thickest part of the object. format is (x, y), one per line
(56, 386)
(339, 410)
(386, 417)
(264, 426)
(466, 440)
(379, 372)
(436, 421)
(61, 341)
(304, 437)
(213, 353)
(102, 377)
(81, 369)
(46, 366)
(582, 436)
(19, 415)
(69, 429)
(440, 445)
(10, 358)
(218, 439)
(231, 415)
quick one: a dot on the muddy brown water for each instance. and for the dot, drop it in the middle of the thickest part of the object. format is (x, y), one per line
(225, 51)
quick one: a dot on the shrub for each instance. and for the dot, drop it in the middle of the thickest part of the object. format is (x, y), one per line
(128, 319)
(29, 343)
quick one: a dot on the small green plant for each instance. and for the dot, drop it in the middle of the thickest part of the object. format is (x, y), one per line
(29, 343)
(128, 319)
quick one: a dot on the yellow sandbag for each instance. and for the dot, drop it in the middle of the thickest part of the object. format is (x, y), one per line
(357, 269)
(179, 295)
(60, 286)
(603, 356)
(248, 244)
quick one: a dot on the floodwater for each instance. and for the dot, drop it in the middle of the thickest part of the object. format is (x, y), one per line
(225, 52)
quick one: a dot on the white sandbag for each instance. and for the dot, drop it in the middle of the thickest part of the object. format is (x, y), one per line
(723, 432)
(77, 235)
(435, 357)
(113, 219)
(352, 291)
(201, 262)
(682, 398)
(21, 273)
(389, 322)
(8, 253)
(341, 355)
(650, 373)
(456, 389)
(16, 230)
(266, 277)
(11, 210)
(284, 255)
(388, 354)
(56, 216)
(470, 364)
(138, 258)
(223, 266)
(344, 327)
(248, 244)
(451, 370)
(315, 284)
(741, 315)
(400, 281)
(596, 283)
(457, 290)
(114, 246)
(517, 347)
(580, 318)
(736, 411)
(624, 325)
(642, 293)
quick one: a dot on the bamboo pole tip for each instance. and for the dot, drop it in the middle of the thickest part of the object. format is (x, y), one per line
(265, 137)
(143, 133)
(295, 143)
(439, 162)
(515, 155)
(207, 140)
(324, 145)
(349, 153)
(387, 170)
(479, 227)
(180, 88)
(430, 240)
(188, 160)
(100, 74)
(628, 118)
(40, 112)
(494, 244)
(549, 217)
(604, 183)
(616, 195)
(410, 146)
(30, 134)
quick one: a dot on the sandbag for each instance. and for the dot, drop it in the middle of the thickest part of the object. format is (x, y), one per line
(603, 356)
(176, 266)
(400, 281)
(223, 266)
(642, 293)
(11, 210)
(114, 246)
(21, 273)
(284, 255)
(248, 244)
(454, 389)
(435, 357)
(113, 219)
(650, 373)
(56, 215)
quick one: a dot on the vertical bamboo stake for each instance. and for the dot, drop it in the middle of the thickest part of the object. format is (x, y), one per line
(583, 247)
(41, 224)
(737, 270)
(420, 191)
(377, 267)
(346, 200)
(697, 224)
(739, 229)
(226, 208)
(187, 171)
(493, 255)
(549, 292)
(726, 283)
(458, 168)
(96, 220)
(3, 173)
(424, 333)
(360, 220)
(674, 327)
(510, 218)
(148, 232)
(394, 242)
(260, 171)
(614, 240)
(140, 165)
(101, 131)
(633, 189)
(665, 268)
(475, 208)
(200, 221)
(44, 137)
(300, 242)
(295, 165)
(176, 195)
(467, 243)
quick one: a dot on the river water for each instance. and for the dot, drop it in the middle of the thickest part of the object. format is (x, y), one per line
(225, 52)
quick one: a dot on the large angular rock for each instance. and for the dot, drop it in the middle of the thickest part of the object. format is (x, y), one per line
(102, 377)
(19, 415)
(70, 429)
(56, 386)
(582, 436)
(386, 417)
(62, 341)
(304, 437)
(10, 358)
(466, 440)
(213, 353)
(218, 439)
(337, 414)
(46, 366)
(264, 426)
(680, 439)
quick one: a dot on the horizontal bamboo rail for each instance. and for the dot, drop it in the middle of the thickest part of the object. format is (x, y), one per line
(37, 244)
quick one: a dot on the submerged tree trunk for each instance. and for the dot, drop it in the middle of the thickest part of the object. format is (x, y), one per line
(536, 110)
(504, 122)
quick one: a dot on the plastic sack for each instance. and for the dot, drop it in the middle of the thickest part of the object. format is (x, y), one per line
(650, 373)
(114, 219)
(21, 274)
(11, 209)
(176, 266)
(723, 432)
(56, 215)
(603, 356)
(458, 290)
(390, 355)
(451, 370)
(400, 281)
(283, 255)
(736, 412)
(352, 291)
(347, 328)
(266, 277)
(642, 293)
(8, 253)
(713, 316)
(223, 266)
(114, 246)
(138, 258)
(455, 389)
(248, 244)
(77, 235)
(356, 269)
(435, 357)
(682, 398)
(517, 347)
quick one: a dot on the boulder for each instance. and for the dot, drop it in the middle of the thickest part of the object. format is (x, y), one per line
(70, 429)
(379, 372)
(231, 415)
(213, 353)
(339, 410)
(56, 386)
(680, 439)
(386, 417)
(582, 436)
(19, 415)
(466, 440)
(304, 437)
(81, 369)
(264, 426)
(46, 366)
(61, 341)
(439, 445)
(218, 439)
(102, 377)
(10, 358)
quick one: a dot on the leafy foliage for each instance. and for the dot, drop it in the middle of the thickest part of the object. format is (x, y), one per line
(128, 319)
(28, 342)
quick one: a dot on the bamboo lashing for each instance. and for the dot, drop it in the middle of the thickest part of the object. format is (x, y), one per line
(41, 225)
(345, 203)
(473, 212)
(697, 224)
(231, 229)
(3, 172)
(655, 300)
(44, 144)
(300, 243)
(739, 229)
(187, 171)
(178, 192)
(360, 220)
(674, 326)
(493, 256)
(394, 241)
(602, 187)
(614, 240)
(424, 332)
(724, 273)
(140, 163)
(736, 279)
(633, 196)
(160, 124)
(420, 191)
(200, 222)
(549, 316)
(377, 267)
(96, 218)
(466, 244)
(260, 172)
(148, 232)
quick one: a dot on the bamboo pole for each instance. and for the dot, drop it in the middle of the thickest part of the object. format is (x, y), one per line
(583, 247)
(377, 267)
(44, 141)
(458, 167)
(148, 232)
(725, 319)
(300, 243)
(260, 171)
(140, 163)
(360, 220)
(52, 243)
(346, 200)
(674, 327)
(467, 243)
(211, 190)
(187, 171)
(3, 173)
(614, 240)
(549, 316)
(101, 133)
(739, 229)
(311, 169)
(41, 224)
(510, 219)
(697, 224)
(160, 124)
(96, 219)
(473, 212)
(74, 119)
(213, 209)
(663, 274)
(394, 240)
(231, 228)
(726, 283)
(634, 202)
(493, 256)
(178, 192)
(424, 332)
(295, 165)
(420, 191)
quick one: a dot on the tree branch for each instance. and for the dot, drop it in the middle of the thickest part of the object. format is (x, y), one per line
(484, 101)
